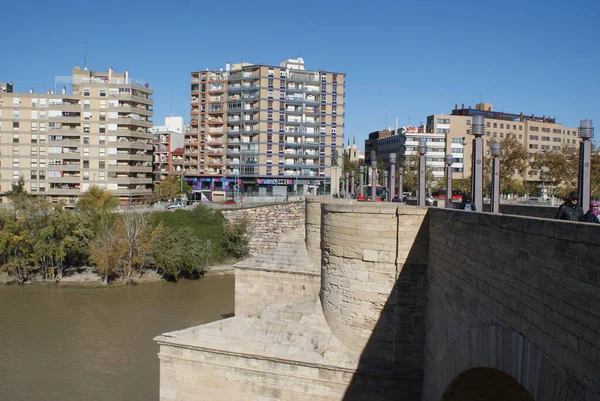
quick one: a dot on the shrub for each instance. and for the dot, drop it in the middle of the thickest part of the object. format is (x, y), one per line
(236, 238)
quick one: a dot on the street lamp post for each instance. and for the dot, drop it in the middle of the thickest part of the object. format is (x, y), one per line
(586, 133)
(422, 149)
(495, 201)
(346, 184)
(385, 183)
(449, 160)
(353, 185)
(361, 180)
(478, 130)
(400, 183)
(464, 144)
(373, 177)
(392, 175)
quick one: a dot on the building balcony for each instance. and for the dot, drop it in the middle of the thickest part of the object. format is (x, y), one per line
(66, 120)
(64, 179)
(63, 191)
(130, 156)
(131, 122)
(130, 169)
(216, 88)
(131, 145)
(131, 134)
(65, 107)
(130, 180)
(136, 191)
(65, 143)
(65, 167)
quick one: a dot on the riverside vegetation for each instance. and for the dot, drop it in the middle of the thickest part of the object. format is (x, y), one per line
(45, 241)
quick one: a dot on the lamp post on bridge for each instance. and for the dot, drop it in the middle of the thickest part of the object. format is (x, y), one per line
(352, 184)
(495, 201)
(478, 130)
(400, 183)
(422, 149)
(373, 177)
(586, 132)
(449, 160)
(392, 175)
(361, 180)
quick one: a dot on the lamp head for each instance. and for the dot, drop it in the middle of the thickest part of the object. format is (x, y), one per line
(496, 149)
(422, 147)
(586, 131)
(449, 159)
(478, 126)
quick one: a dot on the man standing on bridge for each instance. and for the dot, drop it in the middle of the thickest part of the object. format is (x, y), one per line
(570, 210)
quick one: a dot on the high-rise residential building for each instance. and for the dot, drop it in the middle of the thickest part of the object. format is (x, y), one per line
(269, 128)
(537, 134)
(94, 130)
(167, 138)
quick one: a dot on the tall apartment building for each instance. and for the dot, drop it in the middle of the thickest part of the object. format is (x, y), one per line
(167, 138)
(536, 133)
(94, 132)
(268, 128)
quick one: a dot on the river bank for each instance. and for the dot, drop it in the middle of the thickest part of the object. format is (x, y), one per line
(86, 276)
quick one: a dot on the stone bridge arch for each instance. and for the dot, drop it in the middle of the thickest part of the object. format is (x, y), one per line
(489, 350)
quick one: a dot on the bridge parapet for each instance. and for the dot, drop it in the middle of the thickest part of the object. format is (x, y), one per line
(536, 278)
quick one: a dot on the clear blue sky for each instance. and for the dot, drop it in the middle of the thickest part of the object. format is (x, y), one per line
(409, 57)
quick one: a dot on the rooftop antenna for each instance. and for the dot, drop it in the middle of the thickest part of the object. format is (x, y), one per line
(85, 59)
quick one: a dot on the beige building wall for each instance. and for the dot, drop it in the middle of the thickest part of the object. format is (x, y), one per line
(532, 132)
(272, 124)
(94, 132)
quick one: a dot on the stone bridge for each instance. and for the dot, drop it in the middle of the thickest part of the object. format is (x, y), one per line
(381, 301)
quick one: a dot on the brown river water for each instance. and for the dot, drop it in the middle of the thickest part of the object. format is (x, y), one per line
(76, 344)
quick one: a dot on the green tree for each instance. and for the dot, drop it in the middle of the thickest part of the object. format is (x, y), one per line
(178, 251)
(560, 169)
(410, 179)
(98, 207)
(236, 238)
(513, 160)
(18, 196)
(140, 236)
(172, 187)
(349, 167)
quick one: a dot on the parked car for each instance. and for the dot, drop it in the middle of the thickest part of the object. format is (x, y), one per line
(176, 205)
(229, 202)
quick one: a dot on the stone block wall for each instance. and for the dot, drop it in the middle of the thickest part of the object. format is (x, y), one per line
(373, 285)
(257, 289)
(268, 223)
(516, 294)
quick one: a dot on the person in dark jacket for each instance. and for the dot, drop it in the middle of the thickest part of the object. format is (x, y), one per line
(467, 204)
(592, 215)
(570, 210)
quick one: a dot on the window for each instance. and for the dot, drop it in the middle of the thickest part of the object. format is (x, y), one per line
(102, 129)
(86, 152)
(86, 91)
(15, 150)
(34, 138)
(102, 92)
(101, 152)
(533, 137)
(86, 164)
(103, 105)
(102, 140)
(16, 163)
(495, 125)
(323, 78)
(16, 128)
(15, 138)
(102, 163)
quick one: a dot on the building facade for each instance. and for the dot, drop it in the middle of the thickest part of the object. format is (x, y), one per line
(265, 128)
(166, 139)
(537, 134)
(94, 132)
